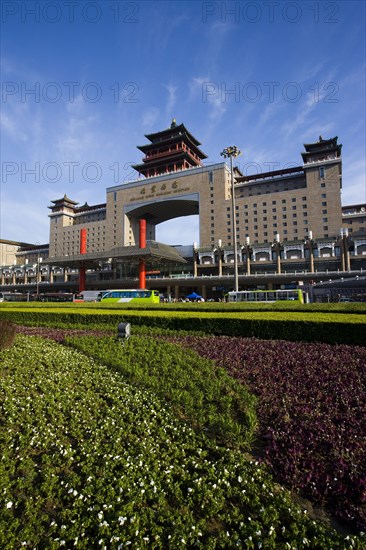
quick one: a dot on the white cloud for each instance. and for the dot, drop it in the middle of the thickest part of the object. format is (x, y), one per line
(183, 231)
(150, 117)
(12, 127)
(31, 222)
(172, 98)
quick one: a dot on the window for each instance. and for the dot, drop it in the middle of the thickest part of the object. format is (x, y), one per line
(325, 220)
(293, 199)
(321, 172)
(324, 211)
(324, 195)
(324, 203)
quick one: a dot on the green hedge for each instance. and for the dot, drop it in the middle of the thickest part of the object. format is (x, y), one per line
(308, 327)
(349, 308)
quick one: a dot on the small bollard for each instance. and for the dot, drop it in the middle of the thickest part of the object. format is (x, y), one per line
(123, 332)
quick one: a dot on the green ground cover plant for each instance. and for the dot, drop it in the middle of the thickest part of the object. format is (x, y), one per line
(90, 461)
(197, 390)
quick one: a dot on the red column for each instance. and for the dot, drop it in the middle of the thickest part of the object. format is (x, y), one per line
(82, 273)
(142, 244)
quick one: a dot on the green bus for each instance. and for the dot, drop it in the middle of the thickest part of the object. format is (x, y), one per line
(131, 296)
(269, 296)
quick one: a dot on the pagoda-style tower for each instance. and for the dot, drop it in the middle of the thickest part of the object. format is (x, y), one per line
(170, 150)
(322, 150)
(63, 206)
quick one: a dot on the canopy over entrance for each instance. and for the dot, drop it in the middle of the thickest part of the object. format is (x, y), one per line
(153, 252)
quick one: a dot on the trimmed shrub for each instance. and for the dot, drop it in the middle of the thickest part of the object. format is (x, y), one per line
(331, 328)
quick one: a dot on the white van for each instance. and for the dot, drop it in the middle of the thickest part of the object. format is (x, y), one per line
(89, 296)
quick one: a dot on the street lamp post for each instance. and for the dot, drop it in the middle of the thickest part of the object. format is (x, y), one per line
(231, 152)
(37, 275)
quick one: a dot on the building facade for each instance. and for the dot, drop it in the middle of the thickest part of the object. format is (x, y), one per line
(292, 203)
(287, 220)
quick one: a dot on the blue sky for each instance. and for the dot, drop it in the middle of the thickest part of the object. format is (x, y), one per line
(82, 82)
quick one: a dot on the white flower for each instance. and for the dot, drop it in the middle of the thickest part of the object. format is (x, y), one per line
(9, 504)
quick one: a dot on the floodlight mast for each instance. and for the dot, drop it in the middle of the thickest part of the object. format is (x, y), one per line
(230, 152)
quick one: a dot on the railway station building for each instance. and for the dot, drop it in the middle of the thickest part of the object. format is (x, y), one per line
(290, 226)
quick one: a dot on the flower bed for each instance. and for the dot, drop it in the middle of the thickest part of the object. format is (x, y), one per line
(89, 461)
(312, 413)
